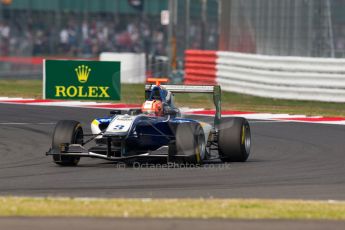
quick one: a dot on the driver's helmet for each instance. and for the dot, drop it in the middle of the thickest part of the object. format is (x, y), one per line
(153, 107)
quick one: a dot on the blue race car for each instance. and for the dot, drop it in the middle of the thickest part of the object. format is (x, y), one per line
(156, 131)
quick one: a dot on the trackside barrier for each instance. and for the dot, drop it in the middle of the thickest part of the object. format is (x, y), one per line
(321, 79)
(133, 69)
(200, 67)
(297, 78)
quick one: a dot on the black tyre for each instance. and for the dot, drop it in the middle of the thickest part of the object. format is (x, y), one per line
(190, 144)
(67, 132)
(234, 140)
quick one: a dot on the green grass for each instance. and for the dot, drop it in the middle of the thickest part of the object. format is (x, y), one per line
(21, 88)
(173, 208)
(134, 93)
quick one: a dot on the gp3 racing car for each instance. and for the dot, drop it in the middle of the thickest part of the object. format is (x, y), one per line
(156, 131)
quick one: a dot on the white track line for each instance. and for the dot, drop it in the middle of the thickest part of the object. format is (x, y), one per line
(25, 123)
(69, 103)
(264, 117)
(269, 121)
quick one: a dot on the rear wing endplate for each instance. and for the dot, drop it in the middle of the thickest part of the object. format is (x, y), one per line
(215, 90)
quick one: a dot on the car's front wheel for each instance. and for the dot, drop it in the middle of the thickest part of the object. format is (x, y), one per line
(67, 132)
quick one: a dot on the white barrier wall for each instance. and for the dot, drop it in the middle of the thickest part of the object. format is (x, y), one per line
(133, 66)
(321, 79)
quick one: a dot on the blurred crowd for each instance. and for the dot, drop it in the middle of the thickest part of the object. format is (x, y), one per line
(71, 36)
(89, 38)
(47, 33)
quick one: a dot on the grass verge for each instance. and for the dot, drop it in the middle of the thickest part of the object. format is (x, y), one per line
(173, 208)
(21, 88)
(134, 93)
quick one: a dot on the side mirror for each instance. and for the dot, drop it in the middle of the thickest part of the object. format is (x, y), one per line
(122, 111)
(115, 112)
(170, 111)
(134, 112)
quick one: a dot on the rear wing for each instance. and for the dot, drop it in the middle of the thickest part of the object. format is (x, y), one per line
(215, 90)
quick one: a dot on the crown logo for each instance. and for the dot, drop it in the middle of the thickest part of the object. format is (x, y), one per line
(82, 72)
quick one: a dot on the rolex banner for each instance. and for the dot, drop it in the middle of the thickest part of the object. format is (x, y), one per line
(81, 80)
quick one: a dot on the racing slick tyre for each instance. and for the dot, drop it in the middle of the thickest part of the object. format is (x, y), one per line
(67, 132)
(190, 146)
(234, 140)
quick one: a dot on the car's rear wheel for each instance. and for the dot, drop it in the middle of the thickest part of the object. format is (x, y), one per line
(67, 132)
(190, 146)
(234, 140)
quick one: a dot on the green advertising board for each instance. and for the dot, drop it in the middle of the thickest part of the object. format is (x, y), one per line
(81, 80)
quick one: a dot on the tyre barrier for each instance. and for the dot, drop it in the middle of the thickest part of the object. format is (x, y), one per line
(200, 67)
(297, 78)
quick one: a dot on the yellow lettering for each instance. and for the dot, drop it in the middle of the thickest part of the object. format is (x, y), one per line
(72, 91)
(80, 92)
(60, 90)
(93, 91)
(104, 91)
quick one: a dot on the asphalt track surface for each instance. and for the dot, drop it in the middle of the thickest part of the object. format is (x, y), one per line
(157, 224)
(288, 160)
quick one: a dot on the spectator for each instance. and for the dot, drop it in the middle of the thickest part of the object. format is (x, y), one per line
(64, 39)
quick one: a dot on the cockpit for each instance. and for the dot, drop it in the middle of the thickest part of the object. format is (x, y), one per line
(158, 93)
